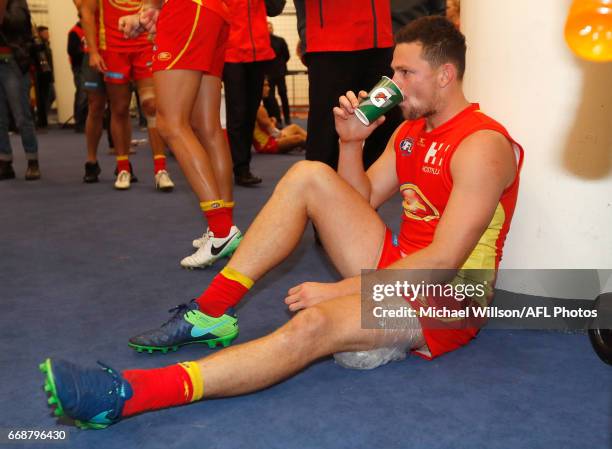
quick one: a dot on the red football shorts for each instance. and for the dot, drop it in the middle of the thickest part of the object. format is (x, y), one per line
(439, 341)
(125, 66)
(190, 37)
(270, 147)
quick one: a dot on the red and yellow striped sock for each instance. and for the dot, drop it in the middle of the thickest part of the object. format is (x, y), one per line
(219, 217)
(225, 291)
(163, 387)
(123, 164)
(159, 163)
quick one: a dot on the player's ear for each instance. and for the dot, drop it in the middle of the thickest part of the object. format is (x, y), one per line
(446, 74)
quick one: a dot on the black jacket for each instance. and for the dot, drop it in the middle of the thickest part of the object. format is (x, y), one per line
(75, 48)
(16, 32)
(405, 11)
(278, 66)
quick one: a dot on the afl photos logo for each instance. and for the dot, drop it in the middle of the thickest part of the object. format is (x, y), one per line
(126, 5)
(381, 97)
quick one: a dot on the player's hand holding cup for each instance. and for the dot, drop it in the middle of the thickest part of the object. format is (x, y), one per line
(368, 109)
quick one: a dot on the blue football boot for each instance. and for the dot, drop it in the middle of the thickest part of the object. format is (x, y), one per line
(188, 325)
(93, 397)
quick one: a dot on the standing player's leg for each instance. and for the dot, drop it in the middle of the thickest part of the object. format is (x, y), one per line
(206, 122)
(96, 103)
(146, 94)
(94, 88)
(176, 92)
(119, 96)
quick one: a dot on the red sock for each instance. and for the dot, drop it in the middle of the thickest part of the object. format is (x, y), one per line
(219, 217)
(159, 163)
(225, 291)
(162, 387)
(123, 164)
(229, 205)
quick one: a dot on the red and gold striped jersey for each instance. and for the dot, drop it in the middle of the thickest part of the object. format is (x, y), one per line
(423, 170)
(110, 37)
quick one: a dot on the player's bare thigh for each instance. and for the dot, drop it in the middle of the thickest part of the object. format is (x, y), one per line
(351, 231)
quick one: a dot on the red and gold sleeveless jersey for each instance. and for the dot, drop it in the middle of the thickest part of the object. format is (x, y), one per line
(423, 170)
(110, 37)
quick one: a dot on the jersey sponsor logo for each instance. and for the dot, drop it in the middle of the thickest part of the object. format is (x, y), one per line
(434, 158)
(126, 5)
(416, 205)
(406, 146)
(164, 56)
(380, 97)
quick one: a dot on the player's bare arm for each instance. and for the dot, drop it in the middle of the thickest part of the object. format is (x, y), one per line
(88, 19)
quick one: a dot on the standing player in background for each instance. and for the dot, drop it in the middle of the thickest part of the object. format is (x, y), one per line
(121, 60)
(189, 55)
(95, 89)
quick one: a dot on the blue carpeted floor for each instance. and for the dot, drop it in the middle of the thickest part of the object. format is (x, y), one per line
(83, 267)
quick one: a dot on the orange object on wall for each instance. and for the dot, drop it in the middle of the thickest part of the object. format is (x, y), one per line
(588, 30)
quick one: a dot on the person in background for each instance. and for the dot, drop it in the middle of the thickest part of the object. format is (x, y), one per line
(122, 60)
(267, 138)
(405, 11)
(16, 42)
(43, 62)
(247, 54)
(95, 90)
(343, 55)
(277, 70)
(76, 53)
(187, 67)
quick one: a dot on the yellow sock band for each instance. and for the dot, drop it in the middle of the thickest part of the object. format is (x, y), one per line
(122, 158)
(159, 156)
(193, 370)
(237, 276)
(210, 205)
(229, 204)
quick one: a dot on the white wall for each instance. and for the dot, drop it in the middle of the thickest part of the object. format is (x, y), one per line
(560, 109)
(62, 16)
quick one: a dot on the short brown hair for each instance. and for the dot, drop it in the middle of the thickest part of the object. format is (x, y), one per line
(442, 42)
